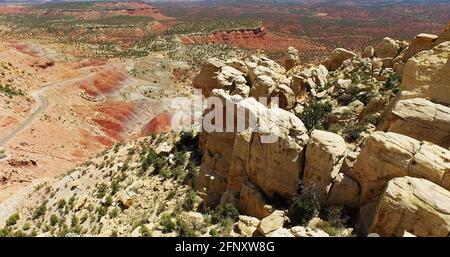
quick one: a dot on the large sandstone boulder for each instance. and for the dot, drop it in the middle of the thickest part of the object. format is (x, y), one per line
(272, 222)
(420, 42)
(389, 155)
(338, 56)
(266, 149)
(409, 205)
(345, 191)
(325, 153)
(215, 74)
(426, 75)
(387, 48)
(291, 59)
(420, 119)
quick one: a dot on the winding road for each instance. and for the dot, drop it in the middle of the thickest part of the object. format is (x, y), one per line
(42, 102)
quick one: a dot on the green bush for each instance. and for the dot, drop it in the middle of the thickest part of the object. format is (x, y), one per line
(305, 206)
(167, 224)
(190, 201)
(183, 228)
(12, 220)
(222, 212)
(101, 190)
(314, 114)
(351, 134)
(40, 210)
(53, 220)
(61, 203)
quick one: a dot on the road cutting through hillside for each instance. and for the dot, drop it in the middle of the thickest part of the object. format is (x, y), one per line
(42, 102)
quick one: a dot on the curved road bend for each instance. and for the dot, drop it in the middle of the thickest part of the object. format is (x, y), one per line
(42, 102)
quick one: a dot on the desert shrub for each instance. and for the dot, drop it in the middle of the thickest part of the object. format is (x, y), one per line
(167, 224)
(165, 173)
(314, 114)
(351, 134)
(334, 222)
(187, 141)
(335, 128)
(101, 190)
(222, 212)
(183, 229)
(344, 99)
(114, 213)
(190, 201)
(305, 205)
(145, 232)
(108, 201)
(101, 211)
(54, 220)
(393, 81)
(61, 203)
(12, 220)
(40, 210)
(26, 226)
(373, 119)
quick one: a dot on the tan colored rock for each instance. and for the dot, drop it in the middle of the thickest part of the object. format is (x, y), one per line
(344, 191)
(213, 175)
(217, 75)
(325, 153)
(368, 52)
(270, 158)
(338, 56)
(126, 198)
(408, 204)
(193, 219)
(263, 86)
(291, 59)
(253, 201)
(299, 87)
(426, 75)
(389, 155)
(420, 42)
(300, 231)
(420, 119)
(272, 222)
(247, 225)
(207, 78)
(281, 232)
(387, 48)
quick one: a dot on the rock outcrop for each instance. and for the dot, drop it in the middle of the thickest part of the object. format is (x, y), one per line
(389, 155)
(420, 119)
(325, 153)
(410, 205)
(426, 75)
(338, 56)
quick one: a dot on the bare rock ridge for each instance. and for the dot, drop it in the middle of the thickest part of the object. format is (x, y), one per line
(367, 172)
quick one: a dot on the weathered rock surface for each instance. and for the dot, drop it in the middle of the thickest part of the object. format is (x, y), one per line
(291, 59)
(272, 222)
(426, 75)
(389, 155)
(420, 119)
(420, 42)
(338, 56)
(408, 204)
(325, 153)
(387, 48)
